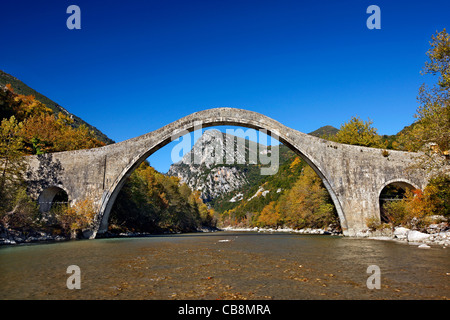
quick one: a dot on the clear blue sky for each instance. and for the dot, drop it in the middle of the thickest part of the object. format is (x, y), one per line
(136, 66)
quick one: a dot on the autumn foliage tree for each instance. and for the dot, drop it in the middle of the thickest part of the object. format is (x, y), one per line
(153, 202)
(20, 106)
(12, 165)
(75, 218)
(359, 132)
(307, 203)
(41, 130)
(270, 216)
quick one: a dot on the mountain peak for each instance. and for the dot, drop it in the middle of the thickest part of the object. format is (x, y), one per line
(216, 148)
(210, 168)
(325, 130)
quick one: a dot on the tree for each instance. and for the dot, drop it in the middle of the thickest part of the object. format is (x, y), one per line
(45, 133)
(41, 130)
(307, 203)
(150, 202)
(76, 218)
(23, 211)
(269, 216)
(438, 191)
(11, 163)
(359, 132)
(19, 105)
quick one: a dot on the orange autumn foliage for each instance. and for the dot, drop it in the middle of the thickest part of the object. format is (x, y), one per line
(270, 216)
(76, 217)
(42, 131)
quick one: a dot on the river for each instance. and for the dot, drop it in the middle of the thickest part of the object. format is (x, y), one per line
(225, 265)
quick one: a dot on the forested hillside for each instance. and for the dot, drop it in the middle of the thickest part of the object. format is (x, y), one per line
(294, 197)
(21, 88)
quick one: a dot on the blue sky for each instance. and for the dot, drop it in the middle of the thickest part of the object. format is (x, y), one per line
(136, 66)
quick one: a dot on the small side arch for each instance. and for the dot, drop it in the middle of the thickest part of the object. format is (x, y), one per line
(399, 182)
(392, 190)
(50, 196)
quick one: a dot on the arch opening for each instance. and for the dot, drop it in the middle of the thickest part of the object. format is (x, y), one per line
(108, 203)
(392, 191)
(52, 196)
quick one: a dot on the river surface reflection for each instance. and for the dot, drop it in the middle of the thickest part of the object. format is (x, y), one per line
(225, 265)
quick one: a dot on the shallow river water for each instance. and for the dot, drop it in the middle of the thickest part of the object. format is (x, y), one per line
(225, 265)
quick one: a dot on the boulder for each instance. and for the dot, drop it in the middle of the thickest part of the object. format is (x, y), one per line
(401, 232)
(417, 236)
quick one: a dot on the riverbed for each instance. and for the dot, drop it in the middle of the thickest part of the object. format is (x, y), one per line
(225, 265)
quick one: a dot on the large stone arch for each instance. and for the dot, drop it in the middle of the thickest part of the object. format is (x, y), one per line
(242, 118)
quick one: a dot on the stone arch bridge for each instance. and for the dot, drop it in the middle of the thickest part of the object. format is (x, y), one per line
(353, 175)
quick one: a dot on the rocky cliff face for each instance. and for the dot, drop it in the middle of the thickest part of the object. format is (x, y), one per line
(217, 164)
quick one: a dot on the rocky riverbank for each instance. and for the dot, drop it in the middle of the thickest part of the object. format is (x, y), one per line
(11, 236)
(284, 229)
(433, 236)
(438, 234)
